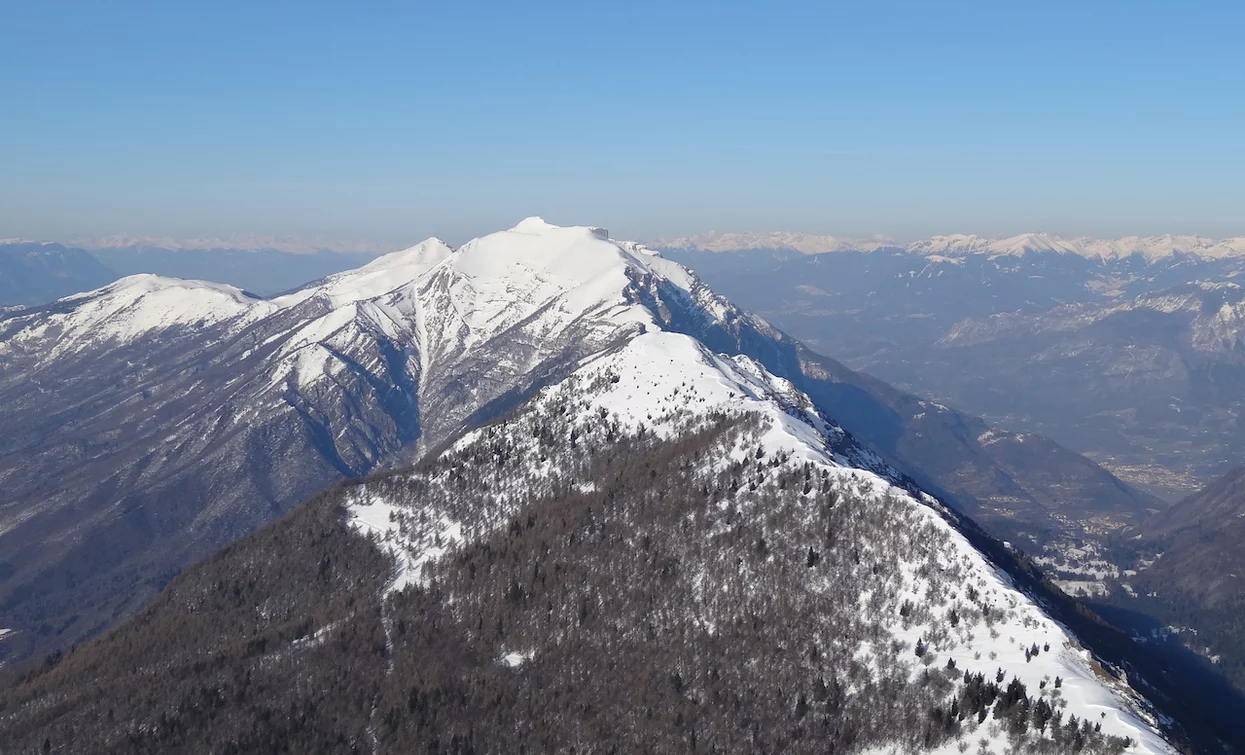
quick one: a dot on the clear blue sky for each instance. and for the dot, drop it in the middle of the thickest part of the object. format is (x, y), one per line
(398, 120)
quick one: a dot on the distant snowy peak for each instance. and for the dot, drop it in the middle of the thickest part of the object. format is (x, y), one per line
(130, 308)
(1167, 245)
(778, 240)
(237, 242)
(380, 276)
(961, 245)
(1150, 248)
(26, 242)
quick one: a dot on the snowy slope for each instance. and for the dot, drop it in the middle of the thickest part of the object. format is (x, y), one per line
(129, 309)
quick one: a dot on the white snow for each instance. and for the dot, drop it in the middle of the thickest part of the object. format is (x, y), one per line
(1087, 689)
(1151, 248)
(380, 276)
(374, 516)
(659, 372)
(516, 659)
(131, 307)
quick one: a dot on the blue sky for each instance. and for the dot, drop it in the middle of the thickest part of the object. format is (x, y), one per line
(399, 120)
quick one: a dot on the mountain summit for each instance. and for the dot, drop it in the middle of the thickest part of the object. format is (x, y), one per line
(619, 472)
(152, 421)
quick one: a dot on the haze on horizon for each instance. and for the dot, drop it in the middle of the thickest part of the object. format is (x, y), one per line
(898, 119)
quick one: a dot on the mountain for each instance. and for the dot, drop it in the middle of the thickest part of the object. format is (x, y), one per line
(152, 421)
(1153, 381)
(663, 548)
(1211, 511)
(778, 241)
(34, 272)
(235, 243)
(893, 313)
(1150, 249)
(1185, 567)
(38, 272)
(265, 270)
(959, 245)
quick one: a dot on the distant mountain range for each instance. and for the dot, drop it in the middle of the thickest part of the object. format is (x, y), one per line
(962, 245)
(236, 243)
(37, 272)
(909, 315)
(1155, 380)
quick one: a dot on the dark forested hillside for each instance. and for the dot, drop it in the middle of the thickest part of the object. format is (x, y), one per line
(1188, 575)
(226, 659)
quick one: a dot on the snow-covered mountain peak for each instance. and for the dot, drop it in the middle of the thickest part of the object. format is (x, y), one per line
(533, 224)
(15, 241)
(154, 301)
(536, 275)
(958, 244)
(132, 307)
(392, 359)
(540, 252)
(670, 384)
(380, 276)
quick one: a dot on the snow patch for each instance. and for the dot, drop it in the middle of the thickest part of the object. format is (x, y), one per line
(516, 659)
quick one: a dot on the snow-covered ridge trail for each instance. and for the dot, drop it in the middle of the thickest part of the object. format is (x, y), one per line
(668, 384)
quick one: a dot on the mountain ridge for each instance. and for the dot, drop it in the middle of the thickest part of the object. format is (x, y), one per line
(956, 246)
(214, 419)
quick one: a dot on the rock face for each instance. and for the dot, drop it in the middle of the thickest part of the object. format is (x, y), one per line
(153, 420)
